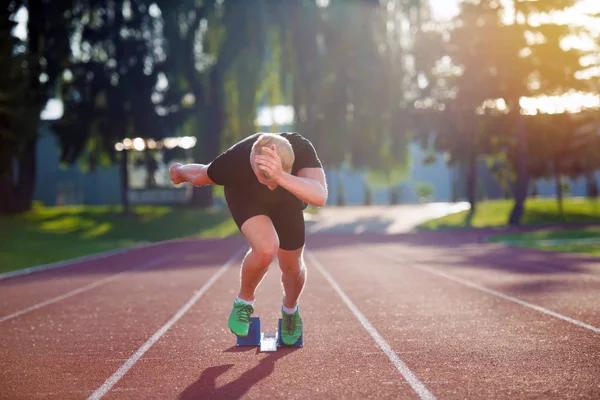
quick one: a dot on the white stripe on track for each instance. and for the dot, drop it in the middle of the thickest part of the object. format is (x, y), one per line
(62, 264)
(410, 377)
(85, 288)
(484, 289)
(110, 382)
(80, 261)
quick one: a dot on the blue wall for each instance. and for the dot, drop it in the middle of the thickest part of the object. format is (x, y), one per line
(354, 182)
(56, 184)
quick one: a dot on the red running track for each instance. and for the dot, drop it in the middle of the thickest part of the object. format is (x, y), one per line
(407, 316)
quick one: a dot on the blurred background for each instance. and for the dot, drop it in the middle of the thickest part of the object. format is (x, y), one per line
(406, 101)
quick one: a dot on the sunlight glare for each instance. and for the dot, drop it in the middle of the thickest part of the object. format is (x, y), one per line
(444, 9)
(279, 115)
(571, 102)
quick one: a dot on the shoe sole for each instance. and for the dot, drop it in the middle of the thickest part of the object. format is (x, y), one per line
(290, 344)
(237, 334)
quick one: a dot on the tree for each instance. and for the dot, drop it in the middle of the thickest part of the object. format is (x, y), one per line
(109, 95)
(353, 78)
(551, 154)
(424, 191)
(216, 56)
(536, 48)
(468, 122)
(30, 70)
(500, 63)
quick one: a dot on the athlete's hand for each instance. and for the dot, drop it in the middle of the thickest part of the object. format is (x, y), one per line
(174, 173)
(270, 163)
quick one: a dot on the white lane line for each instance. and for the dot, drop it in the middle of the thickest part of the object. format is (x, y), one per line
(80, 261)
(410, 377)
(418, 265)
(85, 288)
(62, 264)
(110, 382)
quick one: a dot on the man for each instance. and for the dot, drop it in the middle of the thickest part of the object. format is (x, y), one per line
(268, 179)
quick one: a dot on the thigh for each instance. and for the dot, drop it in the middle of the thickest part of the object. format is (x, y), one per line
(251, 218)
(289, 224)
(243, 207)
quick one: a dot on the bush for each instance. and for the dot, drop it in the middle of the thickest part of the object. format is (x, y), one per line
(424, 191)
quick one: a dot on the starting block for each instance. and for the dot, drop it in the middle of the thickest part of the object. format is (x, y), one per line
(266, 341)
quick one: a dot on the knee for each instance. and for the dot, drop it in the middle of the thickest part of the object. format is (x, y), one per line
(266, 250)
(293, 267)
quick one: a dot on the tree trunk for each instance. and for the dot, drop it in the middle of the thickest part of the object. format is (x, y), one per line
(534, 190)
(393, 190)
(8, 192)
(214, 119)
(17, 194)
(394, 195)
(472, 184)
(522, 183)
(124, 171)
(559, 192)
(26, 180)
(591, 186)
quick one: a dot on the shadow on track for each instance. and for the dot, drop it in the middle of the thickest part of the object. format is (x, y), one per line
(205, 386)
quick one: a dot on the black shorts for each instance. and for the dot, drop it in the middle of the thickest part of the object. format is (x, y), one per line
(288, 220)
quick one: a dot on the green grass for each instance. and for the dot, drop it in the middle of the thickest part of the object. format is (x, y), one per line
(537, 212)
(569, 236)
(47, 235)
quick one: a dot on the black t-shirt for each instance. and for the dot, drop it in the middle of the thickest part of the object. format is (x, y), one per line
(232, 169)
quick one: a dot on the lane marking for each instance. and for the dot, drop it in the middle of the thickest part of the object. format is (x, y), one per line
(110, 382)
(410, 377)
(83, 259)
(85, 288)
(484, 289)
(62, 264)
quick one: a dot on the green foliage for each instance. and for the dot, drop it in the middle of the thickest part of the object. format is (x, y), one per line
(361, 86)
(564, 240)
(29, 73)
(538, 212)
(350, 79)
(424, 190)
(495, 60)
(109, 95)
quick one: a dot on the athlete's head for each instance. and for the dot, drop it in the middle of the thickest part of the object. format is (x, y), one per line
(284, 151)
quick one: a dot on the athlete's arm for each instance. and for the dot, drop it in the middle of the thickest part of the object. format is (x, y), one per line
(309, 186)
(196, 174)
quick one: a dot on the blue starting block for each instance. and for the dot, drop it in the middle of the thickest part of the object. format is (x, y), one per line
(253, 338)
(266, 341)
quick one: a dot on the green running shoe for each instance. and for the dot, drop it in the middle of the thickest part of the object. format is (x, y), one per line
(239, 319)
(291, 327)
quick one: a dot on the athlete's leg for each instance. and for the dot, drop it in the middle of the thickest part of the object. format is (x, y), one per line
(289, 224)
(264, 243)
(293, 275)
(251, 219)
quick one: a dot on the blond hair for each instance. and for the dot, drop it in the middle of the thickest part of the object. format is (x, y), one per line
(283, 148)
